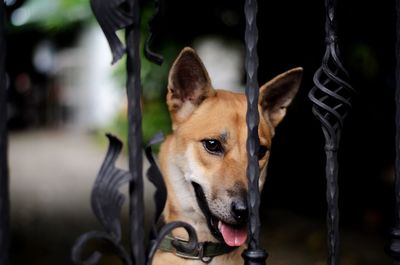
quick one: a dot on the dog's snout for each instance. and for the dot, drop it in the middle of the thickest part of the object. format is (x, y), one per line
(239, 211)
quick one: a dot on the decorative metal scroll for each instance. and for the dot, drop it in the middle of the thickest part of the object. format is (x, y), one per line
(253, 254)
(4, 194)
(331, 102)
(106, 200)
(125, 14)
(393, 249)
(155, 177)
(106, 204)
(190, 246)
(112, 16)
(155, 24)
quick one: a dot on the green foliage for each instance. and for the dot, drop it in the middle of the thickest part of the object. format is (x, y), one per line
(155, 115)
(155, 119)
(154, 77)
(53, 15)
(154, 83)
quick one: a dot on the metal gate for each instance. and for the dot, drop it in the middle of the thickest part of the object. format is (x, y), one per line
(331, 98)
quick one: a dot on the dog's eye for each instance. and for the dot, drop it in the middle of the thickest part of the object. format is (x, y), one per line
(213, 146)
(262, 150)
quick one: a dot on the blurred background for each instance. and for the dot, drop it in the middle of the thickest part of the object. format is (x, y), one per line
(64, 95)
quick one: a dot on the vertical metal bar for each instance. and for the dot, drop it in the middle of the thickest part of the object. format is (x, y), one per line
(331, 169)
(332, 191)
(4, 195)
(331, 96)
(253, 254)
(135, 136)
(394, 246)
(397, 141)
(397, 97)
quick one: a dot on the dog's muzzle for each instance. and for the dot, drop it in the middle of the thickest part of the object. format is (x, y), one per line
(240, 211)
(233, 233)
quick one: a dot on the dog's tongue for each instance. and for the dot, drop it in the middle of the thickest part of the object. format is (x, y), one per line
(233, 236)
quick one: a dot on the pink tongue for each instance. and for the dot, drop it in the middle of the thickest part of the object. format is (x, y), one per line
(233, 236)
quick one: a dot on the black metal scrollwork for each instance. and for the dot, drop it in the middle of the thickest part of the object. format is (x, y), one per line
(106, 204)
(155, 177)
(106, 201)
(112, 16)
(332, 93)
(155, 24)
(190, 245)
(125, 14)
(331, 97)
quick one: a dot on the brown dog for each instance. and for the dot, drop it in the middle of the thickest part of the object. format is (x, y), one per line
(204, 160)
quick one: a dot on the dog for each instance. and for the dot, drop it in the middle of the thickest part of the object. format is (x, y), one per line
(204, 159)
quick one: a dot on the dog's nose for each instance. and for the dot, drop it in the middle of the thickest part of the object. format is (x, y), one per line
(239, 211)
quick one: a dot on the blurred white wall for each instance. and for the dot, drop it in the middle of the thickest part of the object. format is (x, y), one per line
(85, 73)
(223, 60)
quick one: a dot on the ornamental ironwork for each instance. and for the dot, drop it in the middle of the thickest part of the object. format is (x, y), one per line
(331, 98)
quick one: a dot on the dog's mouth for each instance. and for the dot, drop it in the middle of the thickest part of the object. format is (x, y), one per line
(231, 234)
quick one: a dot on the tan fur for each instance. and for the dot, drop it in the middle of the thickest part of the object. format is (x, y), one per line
(199, 112)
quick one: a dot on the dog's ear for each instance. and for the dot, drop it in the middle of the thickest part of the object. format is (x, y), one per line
(188, 85)
(278, 93)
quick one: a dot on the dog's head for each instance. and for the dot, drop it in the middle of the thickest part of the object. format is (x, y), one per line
(210, 140)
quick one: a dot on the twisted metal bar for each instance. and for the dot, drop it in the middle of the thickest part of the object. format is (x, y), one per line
(331, 98)
(133, 86)
(393, 248)
(253, 254)
(106, 204)
(4, 193)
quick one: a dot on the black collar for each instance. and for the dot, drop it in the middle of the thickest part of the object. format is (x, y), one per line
(204, 251)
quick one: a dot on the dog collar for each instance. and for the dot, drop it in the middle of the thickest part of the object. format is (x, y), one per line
(205, 251)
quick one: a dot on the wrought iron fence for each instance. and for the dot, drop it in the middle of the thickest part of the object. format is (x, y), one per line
(330, 96)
